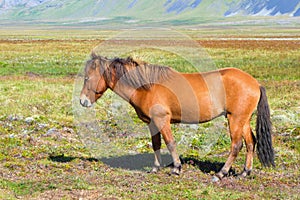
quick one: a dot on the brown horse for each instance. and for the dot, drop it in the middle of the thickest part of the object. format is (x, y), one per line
(161, 96)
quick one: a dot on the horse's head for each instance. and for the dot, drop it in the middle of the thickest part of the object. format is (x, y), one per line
(94, 82)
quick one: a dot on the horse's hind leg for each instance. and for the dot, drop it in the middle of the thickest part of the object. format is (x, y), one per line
(156, 145)
(250, 145)
(236, 131)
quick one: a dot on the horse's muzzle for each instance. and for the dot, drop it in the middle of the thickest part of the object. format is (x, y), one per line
(85, 102)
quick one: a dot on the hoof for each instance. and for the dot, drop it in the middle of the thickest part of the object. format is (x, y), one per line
(154, 170)
(244, 174)
(215, 179)
(176, 170)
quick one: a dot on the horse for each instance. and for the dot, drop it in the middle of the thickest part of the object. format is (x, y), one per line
(161, 96)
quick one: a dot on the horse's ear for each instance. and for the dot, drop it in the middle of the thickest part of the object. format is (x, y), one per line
(96, 63)
(103, 58)
(93, 55)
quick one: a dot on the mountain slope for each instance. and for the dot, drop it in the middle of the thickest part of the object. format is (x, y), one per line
(265, 8)
(133, 11)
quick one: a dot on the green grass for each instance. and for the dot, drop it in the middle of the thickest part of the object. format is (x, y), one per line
(44, 155)
(283, 66)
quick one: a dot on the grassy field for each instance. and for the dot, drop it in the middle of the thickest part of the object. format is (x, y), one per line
(44, 156)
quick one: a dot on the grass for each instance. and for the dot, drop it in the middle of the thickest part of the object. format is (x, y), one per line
(43, 153)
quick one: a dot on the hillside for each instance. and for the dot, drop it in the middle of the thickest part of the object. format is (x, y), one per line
(142, 11)
(266, 8)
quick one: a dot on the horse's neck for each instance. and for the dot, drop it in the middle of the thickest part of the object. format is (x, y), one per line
(124, 91)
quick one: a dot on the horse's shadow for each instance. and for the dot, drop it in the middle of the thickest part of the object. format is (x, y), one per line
(143, 162)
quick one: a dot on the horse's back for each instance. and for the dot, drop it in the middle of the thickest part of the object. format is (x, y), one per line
(238, 75)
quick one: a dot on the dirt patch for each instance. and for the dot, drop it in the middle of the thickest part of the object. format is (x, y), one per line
(252, 44)
(74, 194)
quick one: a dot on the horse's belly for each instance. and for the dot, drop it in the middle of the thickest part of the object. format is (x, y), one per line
(196, 111)
(200, 98)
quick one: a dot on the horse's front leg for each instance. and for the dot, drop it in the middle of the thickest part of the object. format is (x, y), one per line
(164, 127)
(177, 164)
(156, 145)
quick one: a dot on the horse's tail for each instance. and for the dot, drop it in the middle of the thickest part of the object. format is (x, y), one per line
(265, 150)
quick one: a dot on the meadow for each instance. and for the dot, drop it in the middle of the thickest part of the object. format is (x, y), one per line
(44, 156)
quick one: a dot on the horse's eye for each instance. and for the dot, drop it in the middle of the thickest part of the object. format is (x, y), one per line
(86, 79)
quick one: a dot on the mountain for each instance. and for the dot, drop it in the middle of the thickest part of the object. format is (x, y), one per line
(7, 4)
(266, 8)
(142, 11)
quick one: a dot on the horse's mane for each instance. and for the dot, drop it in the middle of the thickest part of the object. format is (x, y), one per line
(137, 74)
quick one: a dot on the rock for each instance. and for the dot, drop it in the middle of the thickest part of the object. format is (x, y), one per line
(116, 105)
(215, 179)
(68, 130)
(52, 132)
(14, 118)
(42, 126)
(194, 126)
(29, 120)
